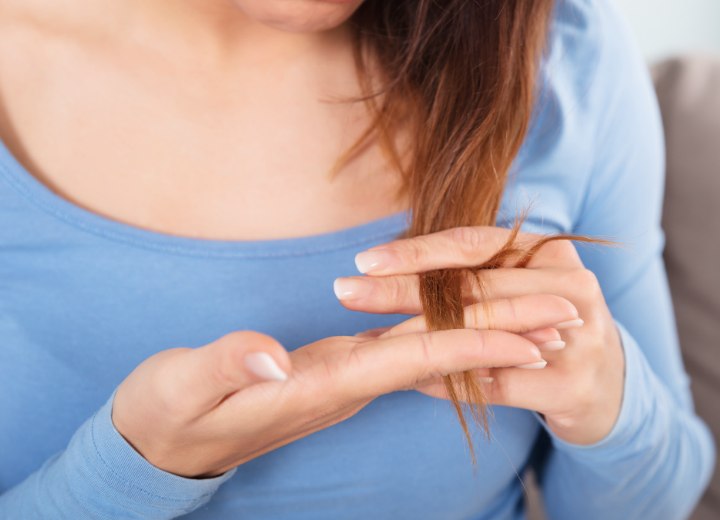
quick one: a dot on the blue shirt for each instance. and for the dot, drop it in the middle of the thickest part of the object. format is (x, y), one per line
(84, 299)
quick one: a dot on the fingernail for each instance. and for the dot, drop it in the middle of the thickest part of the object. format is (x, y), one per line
(570, 324)
(263, 365)
(374, 260)
(486, 379)
(539, 364)
(557, 344)
(350, 288)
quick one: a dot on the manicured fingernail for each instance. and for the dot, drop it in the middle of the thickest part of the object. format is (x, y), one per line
(571, 324)
(374, 260)
(350, 288)
(486, 379)
(539, 364)
(263, 365)
(557, 344)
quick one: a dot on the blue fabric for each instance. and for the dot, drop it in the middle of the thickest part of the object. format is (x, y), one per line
(84, 299)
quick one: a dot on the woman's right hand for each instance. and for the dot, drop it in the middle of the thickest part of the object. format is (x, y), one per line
(200, 412)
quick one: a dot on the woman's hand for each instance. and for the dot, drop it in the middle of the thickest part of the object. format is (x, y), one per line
(200, 412)
(579, 392)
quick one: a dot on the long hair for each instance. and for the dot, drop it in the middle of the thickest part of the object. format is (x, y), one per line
(459, 78)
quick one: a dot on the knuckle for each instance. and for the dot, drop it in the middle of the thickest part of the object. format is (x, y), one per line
(414, 250)
(426, 349)
(469, 240)
(562, 249)
(474, 287)
(512, 309)
(396, 290)
(587, 282)
(581, 281)
(477, 315)
(427, 366)
(565, 248)
(482, 339)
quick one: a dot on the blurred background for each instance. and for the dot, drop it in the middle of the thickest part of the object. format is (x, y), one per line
(668, 27)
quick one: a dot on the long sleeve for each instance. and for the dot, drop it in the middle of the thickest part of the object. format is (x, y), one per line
(100, 476)
(659, 456)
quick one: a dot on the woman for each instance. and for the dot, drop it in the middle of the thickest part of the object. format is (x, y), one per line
(170, 341)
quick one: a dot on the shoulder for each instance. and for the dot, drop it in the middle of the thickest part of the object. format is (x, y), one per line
(588, 33)
(595, 114)
(593, 51)
(593, 64)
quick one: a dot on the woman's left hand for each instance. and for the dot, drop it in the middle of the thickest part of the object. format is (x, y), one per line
(579, 392)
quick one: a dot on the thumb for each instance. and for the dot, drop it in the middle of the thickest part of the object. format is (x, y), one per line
(233, 362)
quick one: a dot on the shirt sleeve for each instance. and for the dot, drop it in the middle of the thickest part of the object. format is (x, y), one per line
(100, 476)
(658, 458)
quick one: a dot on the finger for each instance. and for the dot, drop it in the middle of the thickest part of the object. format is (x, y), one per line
(459, 247)
(384, 365)
(481, 375)
(547, 339)
(541, 337)
(401, 293)
(520, 315)
(528, 389)
(231, 363)
(436, 387)
(516, 387)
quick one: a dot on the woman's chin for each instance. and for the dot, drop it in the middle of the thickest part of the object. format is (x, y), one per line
(299, 16)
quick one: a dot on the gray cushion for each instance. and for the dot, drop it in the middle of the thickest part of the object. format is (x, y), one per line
(689, 93)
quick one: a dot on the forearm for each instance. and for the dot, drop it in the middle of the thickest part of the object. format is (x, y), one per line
(100, 476)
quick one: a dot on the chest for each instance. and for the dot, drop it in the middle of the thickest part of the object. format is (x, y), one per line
(243, 156)
(76, 323)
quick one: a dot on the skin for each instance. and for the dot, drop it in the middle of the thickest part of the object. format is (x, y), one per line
(191, 117)
(198, 97)
(579, 392)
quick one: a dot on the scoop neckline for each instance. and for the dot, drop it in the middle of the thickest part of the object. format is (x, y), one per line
(18, 177)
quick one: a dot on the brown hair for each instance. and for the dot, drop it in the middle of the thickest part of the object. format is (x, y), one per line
(459, 78)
